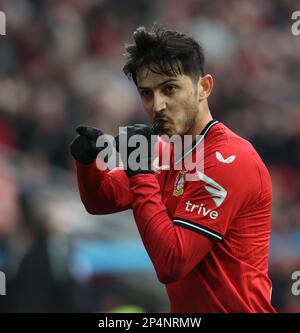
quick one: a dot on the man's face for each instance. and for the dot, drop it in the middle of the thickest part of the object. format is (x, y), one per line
(174, 99)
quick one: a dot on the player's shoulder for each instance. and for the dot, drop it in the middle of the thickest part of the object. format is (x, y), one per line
(233, 161)
(224, 147)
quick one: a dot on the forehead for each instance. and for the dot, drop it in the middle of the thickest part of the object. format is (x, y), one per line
(146, 78)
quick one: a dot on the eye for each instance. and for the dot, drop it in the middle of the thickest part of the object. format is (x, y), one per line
(169, 89)
(146, 93)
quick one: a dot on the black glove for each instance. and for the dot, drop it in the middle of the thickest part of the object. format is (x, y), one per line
(144, 156)
(83, 147)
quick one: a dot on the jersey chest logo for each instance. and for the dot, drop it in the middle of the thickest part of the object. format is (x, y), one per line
(179, 184)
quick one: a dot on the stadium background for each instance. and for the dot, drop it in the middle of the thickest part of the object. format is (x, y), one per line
(60, 66)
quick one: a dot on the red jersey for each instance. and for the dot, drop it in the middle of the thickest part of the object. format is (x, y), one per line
(209, 238)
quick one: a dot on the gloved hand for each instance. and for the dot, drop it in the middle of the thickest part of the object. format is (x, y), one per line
(83, 147)
(144, 162)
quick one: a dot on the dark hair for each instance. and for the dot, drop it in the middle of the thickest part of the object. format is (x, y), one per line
(163, 51)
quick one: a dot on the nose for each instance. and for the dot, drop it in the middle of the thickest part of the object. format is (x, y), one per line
(159, 103)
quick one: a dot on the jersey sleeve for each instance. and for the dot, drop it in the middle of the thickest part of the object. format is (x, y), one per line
(213, 198)
(103, 191)
(174, 251)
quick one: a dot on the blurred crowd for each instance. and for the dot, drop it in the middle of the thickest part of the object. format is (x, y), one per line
(61, 65)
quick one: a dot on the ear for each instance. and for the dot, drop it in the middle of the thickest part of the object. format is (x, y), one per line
(205, 85)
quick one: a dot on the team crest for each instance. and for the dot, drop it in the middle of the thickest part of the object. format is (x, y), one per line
(179, 184)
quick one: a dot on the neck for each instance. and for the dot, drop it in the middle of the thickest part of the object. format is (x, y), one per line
(204, 117)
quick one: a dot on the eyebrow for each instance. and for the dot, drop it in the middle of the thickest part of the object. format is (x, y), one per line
(160, 84)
